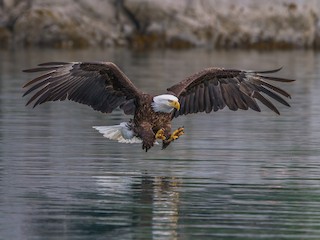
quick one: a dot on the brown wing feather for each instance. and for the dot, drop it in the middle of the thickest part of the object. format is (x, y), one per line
(101, 85)
(215, 88)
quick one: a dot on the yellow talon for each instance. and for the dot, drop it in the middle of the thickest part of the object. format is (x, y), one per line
(160, 134)
(174, 137)
(176, 134)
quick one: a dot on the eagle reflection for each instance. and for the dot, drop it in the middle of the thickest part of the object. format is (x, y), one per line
(154, 205)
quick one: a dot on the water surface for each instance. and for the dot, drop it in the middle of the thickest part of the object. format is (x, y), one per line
(233, 175)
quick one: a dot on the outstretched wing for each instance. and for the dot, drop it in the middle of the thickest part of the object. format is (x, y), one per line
(215, 88)
(101, 85)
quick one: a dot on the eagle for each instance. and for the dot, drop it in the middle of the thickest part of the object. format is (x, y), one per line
(104, 87)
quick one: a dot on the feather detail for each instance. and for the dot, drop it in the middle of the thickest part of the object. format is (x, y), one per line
(120, 133)
(101, 85)
(215, 88)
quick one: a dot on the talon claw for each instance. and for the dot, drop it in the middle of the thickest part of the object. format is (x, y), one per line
(160, 134)
(176, 134)
(180, 131)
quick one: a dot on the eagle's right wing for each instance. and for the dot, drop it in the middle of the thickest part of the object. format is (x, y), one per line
(214, 88)
(101, 85)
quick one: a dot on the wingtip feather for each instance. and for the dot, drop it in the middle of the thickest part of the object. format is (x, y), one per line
(266, 71)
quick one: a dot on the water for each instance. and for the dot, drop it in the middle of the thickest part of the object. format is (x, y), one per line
(233, 175)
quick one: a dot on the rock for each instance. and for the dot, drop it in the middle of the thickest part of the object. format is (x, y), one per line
(65, 25)
(160, 23)
(229, 24)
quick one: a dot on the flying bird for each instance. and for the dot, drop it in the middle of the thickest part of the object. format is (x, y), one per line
(104, 87)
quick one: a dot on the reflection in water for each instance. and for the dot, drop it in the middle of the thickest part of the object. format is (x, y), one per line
(231, 176)
(166, 207)
(155, 203)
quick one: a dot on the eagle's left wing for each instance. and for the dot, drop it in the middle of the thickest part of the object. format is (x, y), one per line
(215, 88)
(100, 85)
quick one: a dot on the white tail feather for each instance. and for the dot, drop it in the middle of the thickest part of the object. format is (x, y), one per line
(120, 133)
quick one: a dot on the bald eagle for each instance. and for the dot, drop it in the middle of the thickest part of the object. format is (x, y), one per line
(104, 87)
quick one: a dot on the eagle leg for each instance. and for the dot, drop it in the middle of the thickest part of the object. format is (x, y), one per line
(174, 136)
(160, 134)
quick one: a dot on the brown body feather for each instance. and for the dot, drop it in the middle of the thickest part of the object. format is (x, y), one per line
(104, 87)
(147, 122)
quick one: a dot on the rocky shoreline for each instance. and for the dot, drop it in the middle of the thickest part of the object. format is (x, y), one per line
(140, 24)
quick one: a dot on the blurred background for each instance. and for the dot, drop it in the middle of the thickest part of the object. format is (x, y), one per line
(233, 175)
(152, 24)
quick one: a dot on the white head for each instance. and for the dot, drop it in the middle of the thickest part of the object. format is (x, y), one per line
(165, 103)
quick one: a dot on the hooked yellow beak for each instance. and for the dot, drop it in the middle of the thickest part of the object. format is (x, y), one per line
(175, 104)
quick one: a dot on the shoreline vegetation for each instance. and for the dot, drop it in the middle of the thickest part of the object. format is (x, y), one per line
(145, 24)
